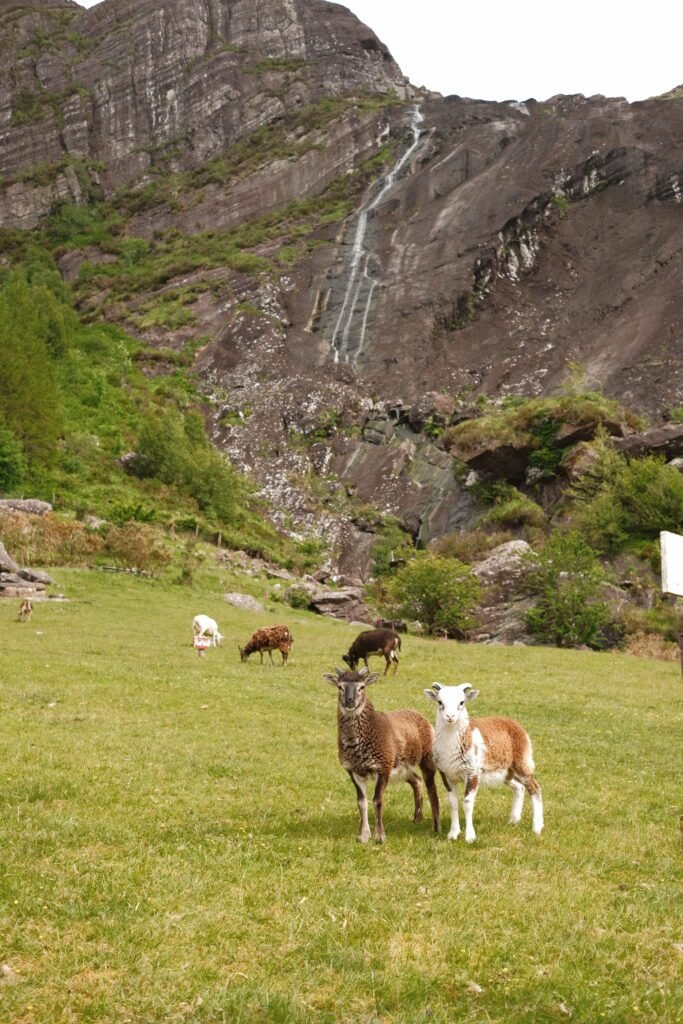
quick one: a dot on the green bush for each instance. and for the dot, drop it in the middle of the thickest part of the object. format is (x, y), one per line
(511, 508)
(623, 503)
(440, 593)
(392, 547)
(566, 575)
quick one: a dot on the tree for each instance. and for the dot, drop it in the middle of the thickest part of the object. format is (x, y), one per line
(12, 462)
(441, 593)
(567, 577)
(29, 398)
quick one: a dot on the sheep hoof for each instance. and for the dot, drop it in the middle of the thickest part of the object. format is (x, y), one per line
(363, 837)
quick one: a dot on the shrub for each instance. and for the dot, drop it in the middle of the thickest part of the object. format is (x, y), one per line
(392, 547)
(441, 593)
(470, 546)
(298, 597)
(624, 502)
(566, 575)
(138, 546)
(47, 539)
(511, 508)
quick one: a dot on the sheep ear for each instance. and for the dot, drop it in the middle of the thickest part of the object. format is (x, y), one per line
(372, 678)
(431, 694)
(470, 693)
(332, 680)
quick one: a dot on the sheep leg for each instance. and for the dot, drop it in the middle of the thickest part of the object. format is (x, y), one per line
(428, 775)
(416, 786)
(534, 791)
(362, 797)
(381, 785)
(454, 830)
(471, 785)
(270, 655)
(517, 800)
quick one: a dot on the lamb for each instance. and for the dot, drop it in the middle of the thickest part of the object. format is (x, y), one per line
(381, 746)
(490, 750)
(268, 638)
(374, 641)
(25, 610)
(202, 625)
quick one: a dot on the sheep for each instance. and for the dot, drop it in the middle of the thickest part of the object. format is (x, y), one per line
(268, 638)
(25, 610)
(374, 641)
(490, 750)
(381, 746)
(202, 625)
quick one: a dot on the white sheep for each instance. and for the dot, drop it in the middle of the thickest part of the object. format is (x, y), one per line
(202, 625)
(490, 750)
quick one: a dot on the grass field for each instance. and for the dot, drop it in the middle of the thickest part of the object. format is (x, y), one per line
(178, 838)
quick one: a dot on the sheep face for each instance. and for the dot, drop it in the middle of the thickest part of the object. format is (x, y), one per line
(451, 701)
(351, 688)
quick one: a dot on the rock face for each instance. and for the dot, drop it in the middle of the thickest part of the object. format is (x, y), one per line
(494, 244)
(96, 94)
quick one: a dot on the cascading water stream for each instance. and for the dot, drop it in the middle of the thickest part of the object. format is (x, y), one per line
(348, 343)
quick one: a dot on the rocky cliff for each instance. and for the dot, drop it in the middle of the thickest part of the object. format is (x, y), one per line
(334, 245)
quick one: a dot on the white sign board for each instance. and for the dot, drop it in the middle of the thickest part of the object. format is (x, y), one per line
(672, 563)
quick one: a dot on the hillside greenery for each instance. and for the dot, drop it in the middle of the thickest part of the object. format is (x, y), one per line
(73, 401)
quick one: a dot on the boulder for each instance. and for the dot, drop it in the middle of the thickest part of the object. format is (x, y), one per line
(503, 623)
(244, 601)
(500, 461)
(666, 440)
(347, 603)
(29, 506)
(36, 576)
(431, 410)
(7, 563)
(504, 567)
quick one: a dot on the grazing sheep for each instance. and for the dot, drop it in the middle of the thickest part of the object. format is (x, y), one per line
(202, 625)
(25, 610)
(383, 747)
(490, 750)
(268, 638)
(374, 641)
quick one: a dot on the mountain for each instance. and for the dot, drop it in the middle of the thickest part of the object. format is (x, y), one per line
(266, 190)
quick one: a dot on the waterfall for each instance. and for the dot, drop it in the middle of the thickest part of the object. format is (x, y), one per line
(348, 336)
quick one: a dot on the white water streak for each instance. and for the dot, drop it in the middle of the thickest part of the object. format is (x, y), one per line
(356, 279)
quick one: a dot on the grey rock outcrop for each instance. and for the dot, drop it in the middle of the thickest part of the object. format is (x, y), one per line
(346, 603)
(244, 601)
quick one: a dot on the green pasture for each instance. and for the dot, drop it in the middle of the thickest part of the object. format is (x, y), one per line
(179, 840)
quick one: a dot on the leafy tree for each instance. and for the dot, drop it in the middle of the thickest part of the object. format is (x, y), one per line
(12, 462)
(172, 448)
(29, 398)
(567, 576)
(441, 593)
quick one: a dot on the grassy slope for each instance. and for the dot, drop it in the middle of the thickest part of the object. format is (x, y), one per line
(179, 840)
